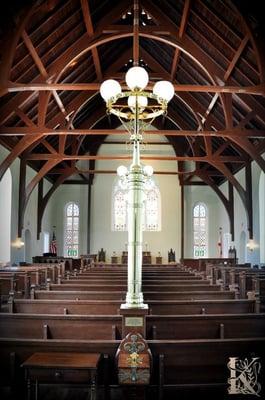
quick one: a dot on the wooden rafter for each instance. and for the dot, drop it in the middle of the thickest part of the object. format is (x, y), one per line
(182, 28)
(258, 90)
(45, 131)
(90, 31)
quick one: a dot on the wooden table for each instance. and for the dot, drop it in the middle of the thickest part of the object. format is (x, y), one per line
(62, 368)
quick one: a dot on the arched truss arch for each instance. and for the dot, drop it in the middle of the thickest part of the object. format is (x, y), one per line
(86, 45)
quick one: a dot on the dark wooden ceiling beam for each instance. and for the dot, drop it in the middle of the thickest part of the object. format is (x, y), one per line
(9, 44)
(72, 53)
(227, 74)
(182, 28)
(48, 146)
(28, 191)
(21, 146)
(59, 157)
(255, 40)
(211, 68)
(34, 54)
(159, 30)
(236, 57)
(44, 201)
(59, 171)
(41, 69)
(258, 90)
(45, 131)
(251, 150)
(135, 32)
(90, 31)
(24, 117)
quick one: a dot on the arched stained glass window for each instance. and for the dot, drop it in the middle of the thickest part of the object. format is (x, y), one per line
(151, 209)
(200, 248)
(72, 230)
(120, 210)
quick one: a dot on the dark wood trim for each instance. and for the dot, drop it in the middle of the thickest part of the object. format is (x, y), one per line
(88, 217)
(182, 221)
(231, 210)
(21, 196)
(248, 177)
(39, 217)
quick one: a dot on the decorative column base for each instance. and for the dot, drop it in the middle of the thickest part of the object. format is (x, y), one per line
(133, 320)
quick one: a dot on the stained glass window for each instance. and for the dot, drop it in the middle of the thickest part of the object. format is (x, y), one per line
(151, 210)
(120, 210)
(71, 230)
(200, 238)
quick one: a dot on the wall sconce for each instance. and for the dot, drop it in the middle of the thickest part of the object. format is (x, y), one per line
(18, 243)
(251, 245)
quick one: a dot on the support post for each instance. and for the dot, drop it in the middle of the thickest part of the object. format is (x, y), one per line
(88, 216)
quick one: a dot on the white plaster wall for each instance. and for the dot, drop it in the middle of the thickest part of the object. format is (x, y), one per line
(169, 236)
(101, 234)
(262, 216)
(241, 217)
(5, 216)
(30, 220)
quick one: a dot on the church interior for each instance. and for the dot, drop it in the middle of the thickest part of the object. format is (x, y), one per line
(132, 199)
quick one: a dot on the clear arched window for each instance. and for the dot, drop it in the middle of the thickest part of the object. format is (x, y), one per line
(71, 230)
(200, 248)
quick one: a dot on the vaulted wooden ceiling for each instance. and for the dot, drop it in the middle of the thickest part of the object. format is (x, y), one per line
(55, 54)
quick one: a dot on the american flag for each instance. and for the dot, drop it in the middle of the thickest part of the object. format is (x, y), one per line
(53, 245)
(220, 243)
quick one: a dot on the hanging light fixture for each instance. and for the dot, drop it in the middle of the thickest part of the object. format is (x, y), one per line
(139, 110)
(137, 80)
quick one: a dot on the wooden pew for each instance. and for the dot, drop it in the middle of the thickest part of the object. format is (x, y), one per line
(212, 326)
(178, 364)
(117, 288)
(83, 327)
(8, 283)
(19, 279)
(114, 279)
(201, 263)
(197, 364)
(80, 327)
(83, 295)
(237, 278)
(105, 307)
(258, 292)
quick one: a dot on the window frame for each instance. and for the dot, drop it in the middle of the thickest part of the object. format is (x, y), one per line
(200, 255)
(74, 245)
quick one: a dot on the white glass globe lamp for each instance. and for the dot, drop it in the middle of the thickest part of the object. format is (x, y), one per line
(109, 88)
(142, 101)
(136, 78)
(122, 170)
(164, 90)
(148, 170)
